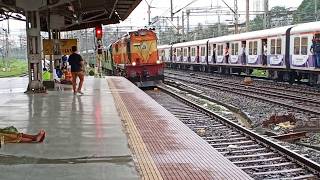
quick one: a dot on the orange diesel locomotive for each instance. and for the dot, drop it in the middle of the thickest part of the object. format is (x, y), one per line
(135, 56)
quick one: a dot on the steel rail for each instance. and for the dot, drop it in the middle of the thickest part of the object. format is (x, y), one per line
(293, 156)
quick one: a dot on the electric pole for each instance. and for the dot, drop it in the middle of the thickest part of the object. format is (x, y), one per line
(149, 14)
(236, 19)
(171, 10)
(219, 25)
(178, 28)
(182, 26)
(188, 15)
(316, 9)
(247, 16)
(266, 14)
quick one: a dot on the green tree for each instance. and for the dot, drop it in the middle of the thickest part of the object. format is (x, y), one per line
(257, 23)
(306, 12)
(277, 14)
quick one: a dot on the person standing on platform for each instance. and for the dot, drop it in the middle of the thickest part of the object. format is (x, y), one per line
(77, 70)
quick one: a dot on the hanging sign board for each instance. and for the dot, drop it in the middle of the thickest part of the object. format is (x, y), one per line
(58, 46)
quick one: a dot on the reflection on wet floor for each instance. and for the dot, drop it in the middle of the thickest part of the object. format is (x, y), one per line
(84, 134)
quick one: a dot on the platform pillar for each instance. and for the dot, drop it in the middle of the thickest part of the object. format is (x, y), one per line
(34, 52)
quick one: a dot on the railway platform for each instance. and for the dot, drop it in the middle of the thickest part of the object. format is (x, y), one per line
(113, 131)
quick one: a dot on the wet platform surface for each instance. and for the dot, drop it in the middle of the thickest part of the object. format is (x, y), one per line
(85, 139)
(163, 147)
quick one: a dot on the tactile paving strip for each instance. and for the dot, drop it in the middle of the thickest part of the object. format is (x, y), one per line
(162, 146)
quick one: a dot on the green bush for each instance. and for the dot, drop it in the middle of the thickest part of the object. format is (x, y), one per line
(91, 73)
(13, 67)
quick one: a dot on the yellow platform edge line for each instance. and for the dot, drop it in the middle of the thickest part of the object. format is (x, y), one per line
(145, 163)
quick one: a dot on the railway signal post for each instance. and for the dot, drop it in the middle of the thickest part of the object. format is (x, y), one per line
(99, 49)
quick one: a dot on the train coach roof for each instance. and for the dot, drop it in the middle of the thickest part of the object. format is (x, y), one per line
(251, 35)
(191, 43)
(306, 28)
(164, 46)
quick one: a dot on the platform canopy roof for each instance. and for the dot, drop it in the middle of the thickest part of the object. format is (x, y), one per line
(70, 14)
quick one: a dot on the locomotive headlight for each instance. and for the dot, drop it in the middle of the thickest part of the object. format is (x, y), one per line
(134, 63)
(158, 61)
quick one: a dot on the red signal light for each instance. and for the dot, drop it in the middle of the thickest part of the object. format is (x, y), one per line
(99, 32)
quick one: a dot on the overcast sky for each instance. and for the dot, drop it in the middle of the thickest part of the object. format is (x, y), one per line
(162, 8)
(139, 16)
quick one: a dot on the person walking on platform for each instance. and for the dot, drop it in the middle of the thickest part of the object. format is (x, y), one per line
(77, 70)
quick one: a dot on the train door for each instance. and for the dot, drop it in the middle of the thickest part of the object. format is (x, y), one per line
(209, 54)
(189, 54)
(203, 54)
(219, 54)
(174, 54)
(234, 53)
(226, 53)
(214, 53)
(178, 51)
(193, 54)
(276, 46)
(252, 52)
(197, 54)
(300, 54)
(242, 54)
(185, 54)
(264, 47)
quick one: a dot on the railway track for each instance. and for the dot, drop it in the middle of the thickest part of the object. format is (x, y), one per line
(265, 84)
(255, 154)
(305, 104)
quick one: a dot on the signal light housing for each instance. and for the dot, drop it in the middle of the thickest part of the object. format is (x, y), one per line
(98, 31)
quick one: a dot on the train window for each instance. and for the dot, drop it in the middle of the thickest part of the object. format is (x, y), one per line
(178, 52)
(185, 52)
(193, 51)
(273, 46)
(279, 46)
(236, 48)
(255, 47)
(296, 48)
(232, 49)
(203, 51)
(209, 50)
(304, 45)
(250, 48)
(220, 50)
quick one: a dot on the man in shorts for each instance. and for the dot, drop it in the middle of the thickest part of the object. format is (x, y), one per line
(77, 70)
